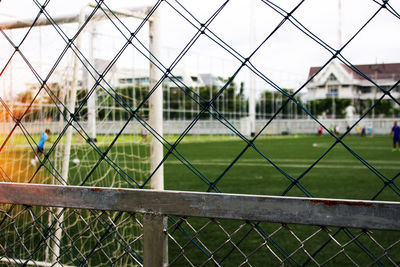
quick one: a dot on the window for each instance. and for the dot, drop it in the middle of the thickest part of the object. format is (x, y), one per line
(365, 90)
(194, 78)
(142, 80)
(332, 91)
(332, 78)
(125, 80)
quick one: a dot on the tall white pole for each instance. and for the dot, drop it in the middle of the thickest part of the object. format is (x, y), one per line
(252, 95)
(57, 164)
(68, 140)
(11, 97)
(156, 104)
(11, 77)
(340, 23)
(71, 104)
(156, 122)
(92, 99)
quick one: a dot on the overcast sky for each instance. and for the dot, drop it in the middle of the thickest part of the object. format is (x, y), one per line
(285, 57)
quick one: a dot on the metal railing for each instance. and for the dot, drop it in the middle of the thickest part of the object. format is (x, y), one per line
(180, 207)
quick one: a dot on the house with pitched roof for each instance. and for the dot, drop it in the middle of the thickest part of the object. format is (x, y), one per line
(337, 80)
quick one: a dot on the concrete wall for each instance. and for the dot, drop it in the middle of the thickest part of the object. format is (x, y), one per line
(276, 127)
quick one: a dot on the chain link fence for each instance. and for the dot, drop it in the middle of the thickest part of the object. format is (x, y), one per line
(104, 134)
(126, 228)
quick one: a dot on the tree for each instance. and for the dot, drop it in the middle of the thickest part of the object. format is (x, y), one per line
(25, 97)
(270, 102)
(321, 106)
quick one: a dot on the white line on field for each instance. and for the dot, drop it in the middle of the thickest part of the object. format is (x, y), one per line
(324, 161)
(355, 147)
(265, 164)
(342, 161)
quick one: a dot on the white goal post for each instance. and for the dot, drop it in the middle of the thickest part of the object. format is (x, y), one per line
(155, 101)
(154, 75)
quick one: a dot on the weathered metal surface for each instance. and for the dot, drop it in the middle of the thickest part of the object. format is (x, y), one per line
(311, 211)
(154, 240)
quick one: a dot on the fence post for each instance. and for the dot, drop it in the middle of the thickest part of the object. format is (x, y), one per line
(156, 103)
(156, 243)
(154, 251)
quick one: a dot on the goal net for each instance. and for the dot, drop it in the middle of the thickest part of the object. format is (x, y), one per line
(105, 146)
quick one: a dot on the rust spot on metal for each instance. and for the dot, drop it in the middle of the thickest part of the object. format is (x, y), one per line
(96, 189)
(330, 203)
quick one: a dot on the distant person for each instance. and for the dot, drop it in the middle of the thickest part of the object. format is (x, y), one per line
(347, 129)
(40, 147)
(320, 130)
(363, 131)
(395, 134)
(358, 129)
(370, 130)
(336, 130)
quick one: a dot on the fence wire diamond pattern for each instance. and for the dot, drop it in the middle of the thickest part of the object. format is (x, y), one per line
(105, 238)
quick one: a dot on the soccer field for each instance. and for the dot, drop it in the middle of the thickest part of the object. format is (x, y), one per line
(322, 170)
(338, 174)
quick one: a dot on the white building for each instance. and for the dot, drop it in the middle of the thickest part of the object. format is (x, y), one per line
(338, 80)
(131, 77)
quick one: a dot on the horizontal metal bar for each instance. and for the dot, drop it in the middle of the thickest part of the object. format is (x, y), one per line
(42, 21)
(14, 261)
(139, 13)
(296, 210)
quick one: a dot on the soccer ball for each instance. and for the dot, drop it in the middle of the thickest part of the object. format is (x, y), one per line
(76, 161)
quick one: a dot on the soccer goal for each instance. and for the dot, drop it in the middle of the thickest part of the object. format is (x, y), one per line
(98, 134)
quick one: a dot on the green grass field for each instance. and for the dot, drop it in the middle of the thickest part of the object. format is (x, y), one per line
(339, 174)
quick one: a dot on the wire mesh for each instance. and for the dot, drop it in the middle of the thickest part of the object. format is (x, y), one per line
(28, 239)
(129, 167)
(257, 243)
(192, 241)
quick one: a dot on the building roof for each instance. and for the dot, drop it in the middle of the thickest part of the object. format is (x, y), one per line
(374, 71)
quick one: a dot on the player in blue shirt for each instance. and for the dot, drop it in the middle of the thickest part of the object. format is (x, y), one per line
(40, 146)
(395, 134)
